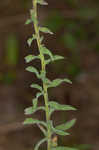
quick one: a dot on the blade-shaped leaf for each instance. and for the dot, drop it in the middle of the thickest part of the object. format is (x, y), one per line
(43, 130)
(28, 21)
(32, 110)
(29, 111)
(45, 30)
(63, 148)
(33, 70)
(33, 15)
(42, 2)
(57, 106)
(35, 101)
(39, 143)
(42, 75)
(34, 121)
(66, 125)
(29, 58)
(39, 94)
(46, 51)
(57, 82)
(36, 86)
(55, 57)
(41, 39)
(29, 41)
(58, 57)
(59, 132)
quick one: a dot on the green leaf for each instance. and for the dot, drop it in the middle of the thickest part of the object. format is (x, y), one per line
(58, 57)
(36, 86)
(39, 94)
(35, 101)
(66, 125)
(34, 121)
(57, 82)
(32, 110)
(55, 57)
(46, 51)
(63, 148)
(46, 80)
(41, 108)
(43, 130)
(59, 132)
(41, 39)
(29, 58)
(42, 75)
(33, 15)
(39, 143)
(45, 30)
(29, 111)
(42, 2)
(33, 70)
(29, 41)
(28, 21)
(57, 106)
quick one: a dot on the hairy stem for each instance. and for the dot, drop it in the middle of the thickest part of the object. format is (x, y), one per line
(36, 28)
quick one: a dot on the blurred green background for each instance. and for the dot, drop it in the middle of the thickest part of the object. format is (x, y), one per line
(75, 24)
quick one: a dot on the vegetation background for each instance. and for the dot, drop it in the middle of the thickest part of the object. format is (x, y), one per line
(75, 24)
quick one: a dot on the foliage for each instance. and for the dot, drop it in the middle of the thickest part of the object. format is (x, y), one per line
(47, 127)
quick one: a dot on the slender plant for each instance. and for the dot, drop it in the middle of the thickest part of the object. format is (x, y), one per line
(47, 127)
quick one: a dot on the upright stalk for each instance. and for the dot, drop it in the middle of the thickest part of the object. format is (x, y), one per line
(47, 127)
(43, 67)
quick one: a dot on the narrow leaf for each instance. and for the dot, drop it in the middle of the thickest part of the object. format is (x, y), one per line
(33, 109)
(42, 75)
(28, 21)
(59, 132)
(46, 51)
(39, 94)
(29, 111)
(57, 106)
(29, 41)
(43, 130)
(41, 39)
(36, 86)
(58, 57)
(35, 101)
(41, 108)
(45, 30)
(66, 125)
(57, 82)
(63, 148)
(29, 58)
(34, 121)
(39, 143)
(42, 2)
(33, 15)
(33, 70)
(55, 57)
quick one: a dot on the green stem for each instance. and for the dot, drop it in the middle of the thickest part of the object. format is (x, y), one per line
(36, 28)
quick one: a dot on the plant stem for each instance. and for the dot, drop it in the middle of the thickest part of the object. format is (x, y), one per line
(36, 28)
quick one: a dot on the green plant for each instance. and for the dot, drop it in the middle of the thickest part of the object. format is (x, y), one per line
(47, 126)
